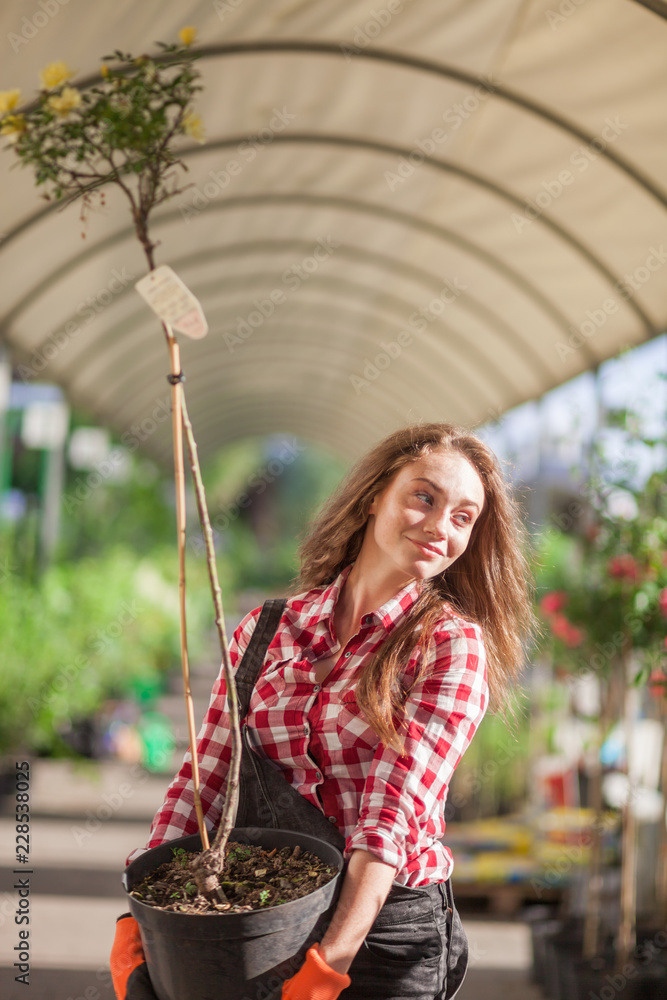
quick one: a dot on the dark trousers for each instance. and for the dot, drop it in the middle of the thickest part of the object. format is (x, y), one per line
(416, 948)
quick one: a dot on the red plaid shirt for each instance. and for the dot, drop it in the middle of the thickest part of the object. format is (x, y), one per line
(389, 804)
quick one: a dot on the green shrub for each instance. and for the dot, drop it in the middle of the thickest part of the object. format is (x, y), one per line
(87, 631)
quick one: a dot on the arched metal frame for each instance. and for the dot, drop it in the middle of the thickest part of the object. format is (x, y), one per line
(440, 232)
(200, 367)
(420, 65)
(415, 221)
(410, 272)
(454, 345)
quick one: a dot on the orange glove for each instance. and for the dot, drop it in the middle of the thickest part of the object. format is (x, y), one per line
(129, 972)
(315, 980)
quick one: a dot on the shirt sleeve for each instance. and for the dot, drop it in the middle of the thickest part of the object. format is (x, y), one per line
(403, 800)
(177, 817)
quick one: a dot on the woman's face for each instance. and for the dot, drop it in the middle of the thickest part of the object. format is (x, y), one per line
(420, 523)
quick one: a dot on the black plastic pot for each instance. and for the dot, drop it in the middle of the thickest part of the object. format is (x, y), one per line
(602, 979)
(561, 938)
(239, 956)
(542, 923)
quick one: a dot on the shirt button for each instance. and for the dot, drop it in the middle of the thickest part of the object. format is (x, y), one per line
(348, 654)
(316, 688)
(332, 819)
(305, 729)
(318, 775)
(369, 619)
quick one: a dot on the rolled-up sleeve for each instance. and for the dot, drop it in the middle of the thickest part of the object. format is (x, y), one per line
(177, 816)
(402, 805)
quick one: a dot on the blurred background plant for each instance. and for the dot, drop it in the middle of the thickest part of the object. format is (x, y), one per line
(603, 590)
(96, 626)
(119, 130)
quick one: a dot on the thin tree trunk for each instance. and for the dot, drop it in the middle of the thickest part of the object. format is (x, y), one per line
(593, 916)
(179, 476)
(661, 885)
(177, 406)
(209, 864)
(627, 935)
(232, 794)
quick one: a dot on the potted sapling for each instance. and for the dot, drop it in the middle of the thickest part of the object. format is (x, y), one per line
(126, 126)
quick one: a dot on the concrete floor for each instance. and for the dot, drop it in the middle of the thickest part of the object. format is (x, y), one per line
(85, 822)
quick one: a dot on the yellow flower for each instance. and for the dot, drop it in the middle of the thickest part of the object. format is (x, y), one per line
(65, 102)
(54, 74)
(194, 126)
(8, 100)
(187, 35)
(104, 70)
(13, 126)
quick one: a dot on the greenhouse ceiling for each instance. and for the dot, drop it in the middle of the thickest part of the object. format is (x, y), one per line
(404, 211)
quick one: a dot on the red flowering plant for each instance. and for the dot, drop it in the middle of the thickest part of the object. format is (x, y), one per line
(604, 588)
(604, 598)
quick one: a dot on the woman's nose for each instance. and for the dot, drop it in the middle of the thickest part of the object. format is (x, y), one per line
(439, 524)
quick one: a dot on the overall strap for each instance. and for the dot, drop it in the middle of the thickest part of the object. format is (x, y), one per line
(253, 659)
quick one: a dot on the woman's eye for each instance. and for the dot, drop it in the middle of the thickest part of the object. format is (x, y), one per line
(426, 497)
(467, 518)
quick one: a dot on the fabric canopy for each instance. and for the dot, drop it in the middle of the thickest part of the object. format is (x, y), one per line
(426, 210)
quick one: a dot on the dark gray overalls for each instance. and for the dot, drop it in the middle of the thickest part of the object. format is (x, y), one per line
(417, 947)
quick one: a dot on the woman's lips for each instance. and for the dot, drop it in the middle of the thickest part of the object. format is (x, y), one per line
(429, 550)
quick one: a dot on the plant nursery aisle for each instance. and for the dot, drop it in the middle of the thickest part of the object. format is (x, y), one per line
(85, 819)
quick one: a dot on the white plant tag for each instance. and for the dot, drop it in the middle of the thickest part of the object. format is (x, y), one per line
(171, 299)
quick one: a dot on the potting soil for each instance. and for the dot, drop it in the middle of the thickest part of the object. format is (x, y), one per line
(252, 879)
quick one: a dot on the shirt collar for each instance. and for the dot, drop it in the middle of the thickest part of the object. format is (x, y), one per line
(389, 615)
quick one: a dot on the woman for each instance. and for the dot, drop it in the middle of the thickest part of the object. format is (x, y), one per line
(411, 608)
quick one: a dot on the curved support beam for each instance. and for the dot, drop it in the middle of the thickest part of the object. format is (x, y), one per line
(478, 180)
(419, 64)
(467, 302)
(446, 235)
(356, 432)
(452, 343)
(201, 366)
(275, 416)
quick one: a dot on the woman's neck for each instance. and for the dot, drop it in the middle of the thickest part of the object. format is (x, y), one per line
(364, 591)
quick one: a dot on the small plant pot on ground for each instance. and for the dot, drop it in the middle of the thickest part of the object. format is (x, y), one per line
(643, 977)
(542, 922)
(241, 956)
(559, 937)
(633, 982)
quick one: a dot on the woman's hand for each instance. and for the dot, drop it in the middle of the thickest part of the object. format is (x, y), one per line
(324, 974)
(315, 980)
(365, 888)
(129, 973)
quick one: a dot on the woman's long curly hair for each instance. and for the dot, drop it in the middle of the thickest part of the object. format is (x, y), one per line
(488, 584)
